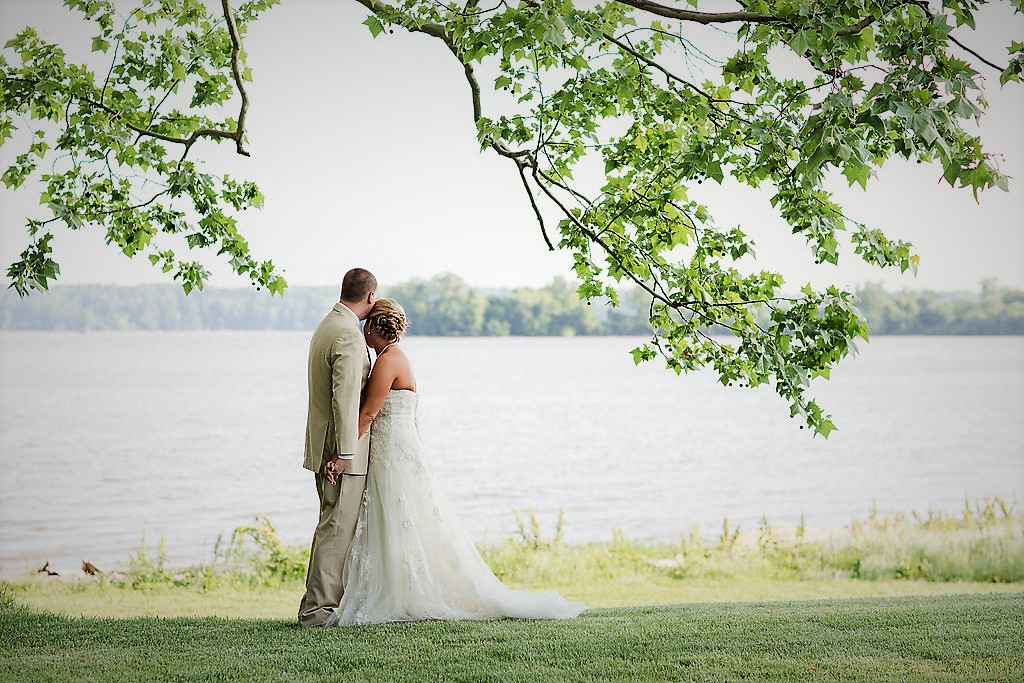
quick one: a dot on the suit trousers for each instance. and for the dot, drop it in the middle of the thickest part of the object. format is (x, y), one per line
(339, 512)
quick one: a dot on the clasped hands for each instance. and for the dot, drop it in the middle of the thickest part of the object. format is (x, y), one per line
(335, 467)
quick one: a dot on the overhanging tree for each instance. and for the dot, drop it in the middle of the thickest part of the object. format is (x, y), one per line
(806, 91)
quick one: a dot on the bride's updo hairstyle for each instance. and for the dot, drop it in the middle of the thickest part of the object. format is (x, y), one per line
(388, 320)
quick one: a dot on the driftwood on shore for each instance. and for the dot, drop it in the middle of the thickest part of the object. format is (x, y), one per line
(45, 569)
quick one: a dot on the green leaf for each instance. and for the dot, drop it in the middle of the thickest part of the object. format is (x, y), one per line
(928, 132)
(373, 23)
(801, 42)
(857, 173)
(825, 427)
(961, 107)
(277, 286)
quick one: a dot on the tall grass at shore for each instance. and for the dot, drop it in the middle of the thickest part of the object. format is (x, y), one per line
(983, 543)
(252, 557)
(252, 574)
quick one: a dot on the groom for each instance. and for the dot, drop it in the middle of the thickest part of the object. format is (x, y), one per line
(339, 364)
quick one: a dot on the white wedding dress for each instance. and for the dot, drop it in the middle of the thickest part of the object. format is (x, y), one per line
(410, 557)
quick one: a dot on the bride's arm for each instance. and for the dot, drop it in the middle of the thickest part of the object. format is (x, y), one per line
(381, 379)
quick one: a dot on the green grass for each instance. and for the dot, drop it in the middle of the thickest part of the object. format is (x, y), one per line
(252, 574)
(947, 638)
(90, 598)
(896, 597)
(984, 543)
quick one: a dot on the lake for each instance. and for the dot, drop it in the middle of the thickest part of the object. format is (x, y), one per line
(105, 437)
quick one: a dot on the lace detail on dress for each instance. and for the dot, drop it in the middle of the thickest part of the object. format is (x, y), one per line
(410, 557)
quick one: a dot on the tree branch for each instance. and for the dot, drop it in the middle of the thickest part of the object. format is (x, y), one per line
(521, 165)
(984, 61)
(238, 135)
(95, 214)
(731, 17)
(856, 28)
(525, 159)
(924, 7)
(438, 31)
(704, 17)
(655, 65)
(236, 48)
(188, 142)
(596, 239)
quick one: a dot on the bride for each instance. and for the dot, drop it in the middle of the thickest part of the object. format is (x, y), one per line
(410, 557)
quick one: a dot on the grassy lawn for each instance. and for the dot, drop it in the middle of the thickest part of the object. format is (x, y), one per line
(90, 598)
(903, 598)
(928, 638)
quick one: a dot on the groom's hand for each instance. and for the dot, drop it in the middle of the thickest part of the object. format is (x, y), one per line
(332, 478)
(341, 466)
(335, 468)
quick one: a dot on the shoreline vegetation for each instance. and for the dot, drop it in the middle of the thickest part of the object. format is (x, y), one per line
(978, 550)
(933, 597)
(445, 305)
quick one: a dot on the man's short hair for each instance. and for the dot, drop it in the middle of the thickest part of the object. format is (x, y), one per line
(356, 284)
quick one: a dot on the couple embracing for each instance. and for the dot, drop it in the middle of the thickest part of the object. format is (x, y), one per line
(388, 546)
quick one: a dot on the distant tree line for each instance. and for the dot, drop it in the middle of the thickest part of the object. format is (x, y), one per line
(995, 310)
(440, 306)
(445, 305)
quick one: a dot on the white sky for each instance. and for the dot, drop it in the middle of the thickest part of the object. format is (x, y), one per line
(366, 152)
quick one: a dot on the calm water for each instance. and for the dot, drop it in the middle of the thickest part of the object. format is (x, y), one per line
(105, 437)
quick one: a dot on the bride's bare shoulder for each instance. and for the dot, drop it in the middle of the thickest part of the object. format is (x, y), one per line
(398, 365)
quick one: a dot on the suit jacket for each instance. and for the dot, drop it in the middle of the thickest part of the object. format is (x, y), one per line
(339, 365)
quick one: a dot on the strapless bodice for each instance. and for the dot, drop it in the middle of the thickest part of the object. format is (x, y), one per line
(399, 402)
(393, 431)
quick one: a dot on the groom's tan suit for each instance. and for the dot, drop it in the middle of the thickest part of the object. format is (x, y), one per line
(339, 364)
